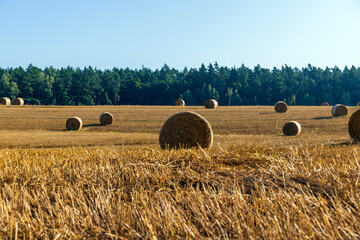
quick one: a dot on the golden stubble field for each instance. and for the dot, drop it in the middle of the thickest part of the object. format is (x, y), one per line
(115, 182)
(36, 127)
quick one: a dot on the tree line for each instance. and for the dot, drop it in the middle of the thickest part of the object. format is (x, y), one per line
(228, 85)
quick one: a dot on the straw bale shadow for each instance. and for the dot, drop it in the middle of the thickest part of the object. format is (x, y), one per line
(93, 125)
(321, 118)
(253, 184)
(345, 143)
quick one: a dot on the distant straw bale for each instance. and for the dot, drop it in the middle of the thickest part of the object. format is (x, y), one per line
(281, 107)
(5, 101)
(354, 126)
(186, 129)
(180, 102)
(18, 101)
(325, 104)
(74, 124)
(211, 103)
(292, 128)
(339, 110)
(106, 118)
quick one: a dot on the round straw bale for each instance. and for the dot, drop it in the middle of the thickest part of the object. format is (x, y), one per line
(325, 104)
(354, 126)
(339, 110)
(186, 129)
(74, 123)
(106, 118)
(180, 102)
(211, 103)
(5, 101)
(18, 101)
(292, 128)
(281, 107)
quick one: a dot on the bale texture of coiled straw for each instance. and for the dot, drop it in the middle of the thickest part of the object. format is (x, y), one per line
(339, 110)
(106, 118)
(325, 104)
(211, 103)
(74, 124)
(292, 128)
(180, 102)
(18, 101)
(186, 130)
(5, 101)
(280, 107)
(354, 126)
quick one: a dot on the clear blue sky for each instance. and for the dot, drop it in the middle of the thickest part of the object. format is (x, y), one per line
(136, 33)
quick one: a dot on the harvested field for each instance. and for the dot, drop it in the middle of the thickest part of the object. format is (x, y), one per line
(116, 182)
(242, 120)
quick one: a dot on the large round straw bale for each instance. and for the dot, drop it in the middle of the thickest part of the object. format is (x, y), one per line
(211, 103)
(354, 126)
(74, 123)
(18, 101)
(5, 101)
(339, 110)
(186, 129)
(106, 118)
(325, 104)
(180, 102)
(281, 107)
(292, 128)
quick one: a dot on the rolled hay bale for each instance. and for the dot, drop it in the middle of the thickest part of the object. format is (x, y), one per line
(211, 103)
(292, 128)
(339, 110)
(281, 107)
(5, 101)
(106, 118)
(186, 129)
(325, 104)
(18, 101)
(354, 126)
(74, 124)
(180, 102)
